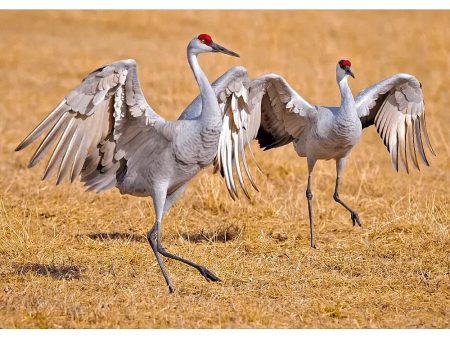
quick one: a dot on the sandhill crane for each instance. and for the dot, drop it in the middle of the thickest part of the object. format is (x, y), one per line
(395, 106)
(111, 136)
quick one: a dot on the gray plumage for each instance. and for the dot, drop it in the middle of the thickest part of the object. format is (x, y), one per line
(106, 132)
(395, 106)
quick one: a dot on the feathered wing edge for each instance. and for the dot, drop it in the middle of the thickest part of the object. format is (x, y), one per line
(396, 107)
(235, 136)
(284, 113)
(87, 123)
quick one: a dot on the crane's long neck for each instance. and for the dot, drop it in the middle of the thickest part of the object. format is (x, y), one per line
(210, 106)
(347, 100)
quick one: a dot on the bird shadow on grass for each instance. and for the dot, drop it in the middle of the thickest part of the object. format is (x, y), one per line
(108, 236)
(218, 235)
(57, 272)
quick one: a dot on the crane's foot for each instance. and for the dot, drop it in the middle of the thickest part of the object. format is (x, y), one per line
(171, 289)
(355, 218)
(209, 276)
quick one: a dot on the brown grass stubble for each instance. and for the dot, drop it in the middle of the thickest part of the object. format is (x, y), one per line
(75, 259)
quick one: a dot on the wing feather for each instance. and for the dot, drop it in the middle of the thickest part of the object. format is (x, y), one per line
(396, 107)
(284, 114)
(420, 147)
(69, 156)
(47, 142)
(81, 154)
(232, 94)
(410, 141)
(48, 122)
(60, 149)
(88, 124)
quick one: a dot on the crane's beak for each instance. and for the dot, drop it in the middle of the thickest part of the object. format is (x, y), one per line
(218, 48)
(348, 71)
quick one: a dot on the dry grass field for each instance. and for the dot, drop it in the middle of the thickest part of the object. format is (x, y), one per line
(73, 259)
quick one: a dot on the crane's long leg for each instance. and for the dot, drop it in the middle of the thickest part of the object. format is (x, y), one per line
(340, 164)
(152, 236)
(309, 197)
(209, 276)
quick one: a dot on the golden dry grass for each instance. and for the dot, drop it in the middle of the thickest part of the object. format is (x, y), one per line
(75, 259)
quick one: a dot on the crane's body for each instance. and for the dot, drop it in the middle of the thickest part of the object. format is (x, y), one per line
(395, 106)
(332, 134)
(188, 155)
(110, 136)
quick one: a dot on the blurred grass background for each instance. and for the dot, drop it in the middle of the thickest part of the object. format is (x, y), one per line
(75, 259)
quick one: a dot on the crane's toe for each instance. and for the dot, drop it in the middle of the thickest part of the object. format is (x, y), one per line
(209, 276)
(355, 219)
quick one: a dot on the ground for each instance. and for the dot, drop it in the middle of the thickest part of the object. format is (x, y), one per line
(74, 259)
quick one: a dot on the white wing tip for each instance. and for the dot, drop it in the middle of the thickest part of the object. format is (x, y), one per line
(130, 61)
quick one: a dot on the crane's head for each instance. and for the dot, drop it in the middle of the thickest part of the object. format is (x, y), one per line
(343, 70)
(204, 44)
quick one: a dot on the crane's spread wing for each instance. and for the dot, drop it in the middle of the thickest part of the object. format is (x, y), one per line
(284, 114)
(396, 107)
(98, 125)
(232, 94)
